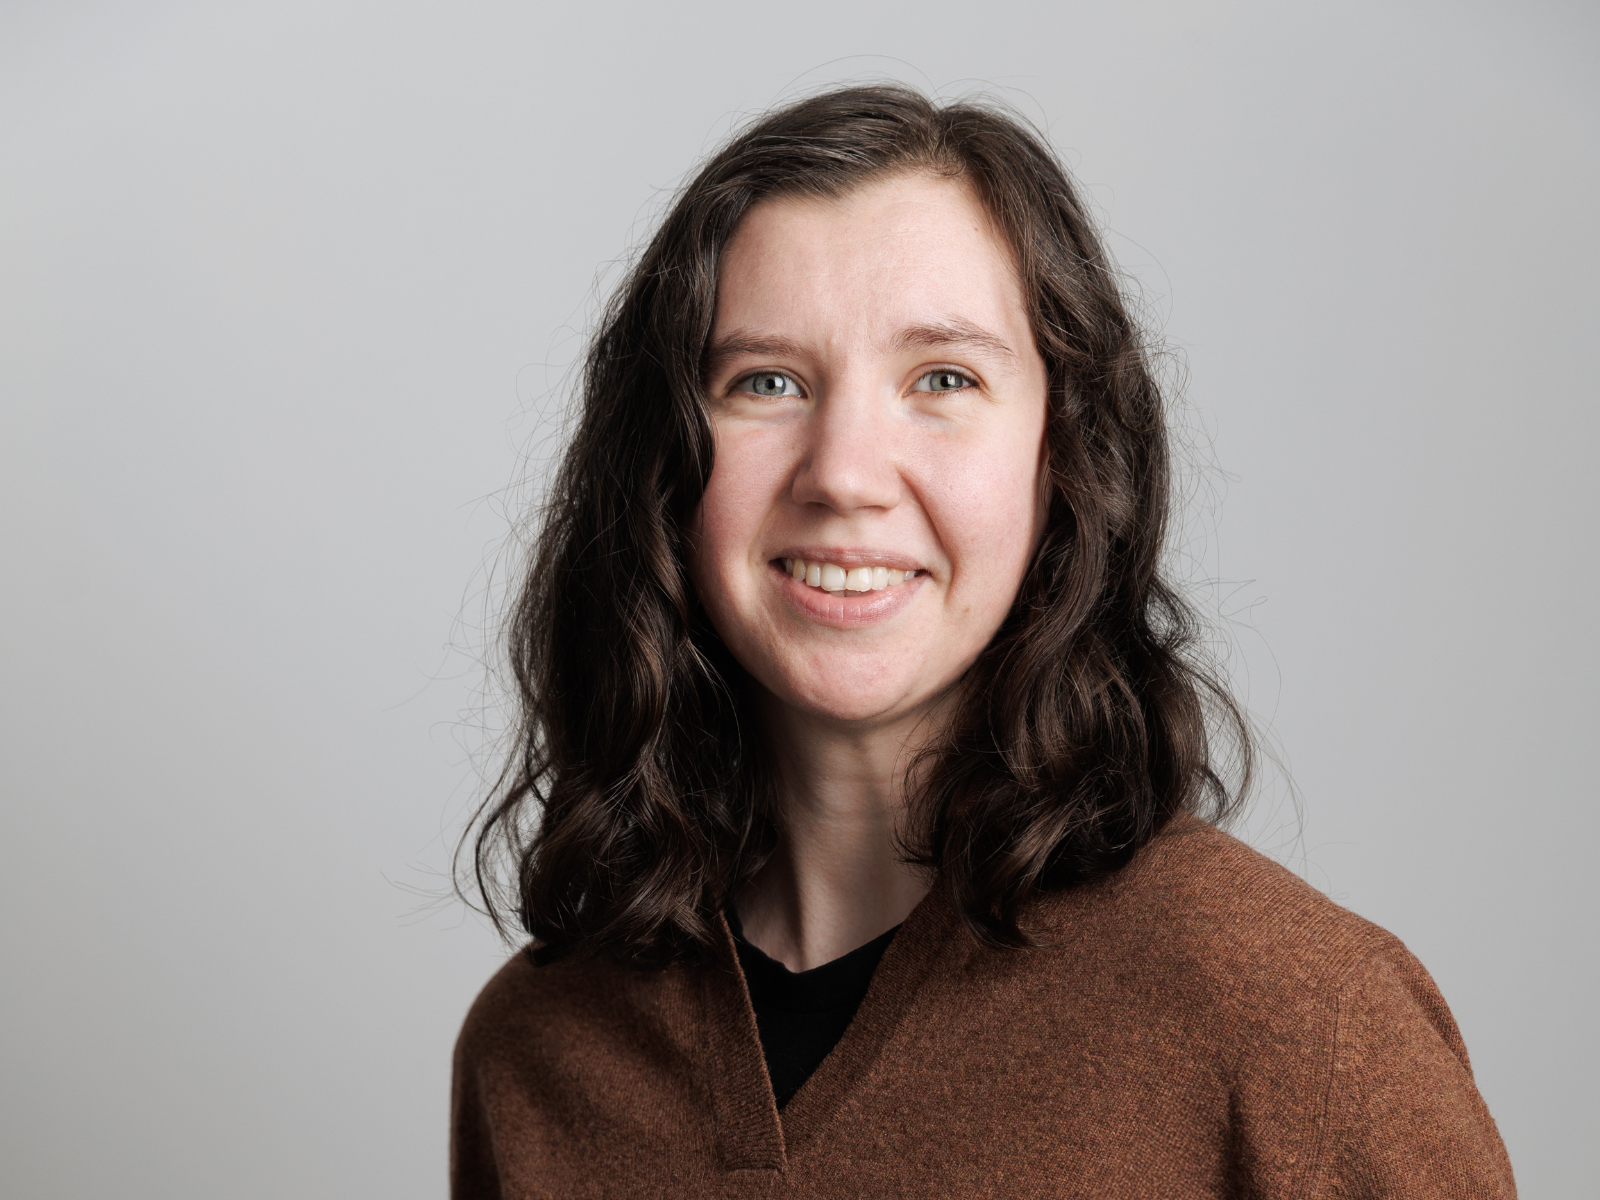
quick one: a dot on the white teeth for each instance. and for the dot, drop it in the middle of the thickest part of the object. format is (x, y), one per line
(833, 578)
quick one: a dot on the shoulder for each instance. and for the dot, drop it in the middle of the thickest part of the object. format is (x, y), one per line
(582, 1043)
(1197, 900)
(547, 1021)
(1203, 960)
(1200, 924)
(512, 995)
(525, 1006)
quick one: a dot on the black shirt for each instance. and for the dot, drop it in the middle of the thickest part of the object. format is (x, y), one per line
(802, 1015)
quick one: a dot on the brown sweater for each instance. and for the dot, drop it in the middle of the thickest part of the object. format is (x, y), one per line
(1201, 1024)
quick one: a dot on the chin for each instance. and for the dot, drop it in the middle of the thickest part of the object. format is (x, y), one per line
(852, 712)
(854, 705)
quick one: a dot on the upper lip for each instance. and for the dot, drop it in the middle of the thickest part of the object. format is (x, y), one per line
(858, 557)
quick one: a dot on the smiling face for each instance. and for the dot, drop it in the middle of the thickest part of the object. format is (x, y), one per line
(878, 405)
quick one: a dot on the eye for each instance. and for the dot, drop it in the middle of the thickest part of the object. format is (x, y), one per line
(770, 383)
(943, 380)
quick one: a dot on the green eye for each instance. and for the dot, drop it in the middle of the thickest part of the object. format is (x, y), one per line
(943, 381)
(772, 383)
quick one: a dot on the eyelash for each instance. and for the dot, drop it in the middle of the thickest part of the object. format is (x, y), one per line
(747, 382)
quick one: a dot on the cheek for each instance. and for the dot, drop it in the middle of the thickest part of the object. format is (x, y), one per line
(727, 525)
(992, 515)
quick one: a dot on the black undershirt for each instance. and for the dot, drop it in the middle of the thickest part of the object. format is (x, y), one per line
(802, 1015)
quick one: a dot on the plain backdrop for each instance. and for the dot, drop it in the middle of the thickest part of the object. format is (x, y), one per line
(290, 293)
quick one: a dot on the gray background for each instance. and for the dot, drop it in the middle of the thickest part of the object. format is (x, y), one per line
(288, 286)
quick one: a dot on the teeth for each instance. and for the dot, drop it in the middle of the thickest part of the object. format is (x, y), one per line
(833, 578)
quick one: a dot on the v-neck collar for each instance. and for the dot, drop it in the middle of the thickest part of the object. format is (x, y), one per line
(840, 982)
(751, 1135)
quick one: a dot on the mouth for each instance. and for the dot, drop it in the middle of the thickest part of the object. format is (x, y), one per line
(865, 589)
(837, 579)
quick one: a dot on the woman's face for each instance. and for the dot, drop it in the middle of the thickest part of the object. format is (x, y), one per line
(879, 408)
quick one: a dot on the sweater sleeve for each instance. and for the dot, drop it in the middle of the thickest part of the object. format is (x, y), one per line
(1403, 1117)
(474, 1174)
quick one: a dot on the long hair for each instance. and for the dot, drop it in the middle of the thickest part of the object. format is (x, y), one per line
(637, 795)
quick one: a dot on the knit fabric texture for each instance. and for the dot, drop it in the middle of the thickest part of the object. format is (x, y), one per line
(1200, 1024)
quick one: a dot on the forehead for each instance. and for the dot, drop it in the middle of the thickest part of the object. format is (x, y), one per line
(894, 252)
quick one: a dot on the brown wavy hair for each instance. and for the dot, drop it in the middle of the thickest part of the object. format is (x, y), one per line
(638, 794)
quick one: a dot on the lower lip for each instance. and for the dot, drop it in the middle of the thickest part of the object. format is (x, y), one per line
(847, 610)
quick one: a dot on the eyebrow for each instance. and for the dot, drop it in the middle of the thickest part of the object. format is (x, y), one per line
(952, 331)
(739, 344)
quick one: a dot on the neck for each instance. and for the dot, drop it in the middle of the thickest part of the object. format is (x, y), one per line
(836, 880)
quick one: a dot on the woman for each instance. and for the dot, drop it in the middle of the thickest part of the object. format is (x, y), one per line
(859, 809)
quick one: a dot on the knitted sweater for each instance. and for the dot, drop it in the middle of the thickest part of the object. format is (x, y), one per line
(1199, 1024)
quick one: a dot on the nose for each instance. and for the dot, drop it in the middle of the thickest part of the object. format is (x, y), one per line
(849, 463)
